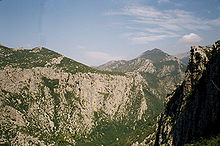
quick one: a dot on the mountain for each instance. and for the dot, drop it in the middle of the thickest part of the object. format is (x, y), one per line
(48, 99)
(192, 112)
(161, 71)
(146, 62)
(184, 57)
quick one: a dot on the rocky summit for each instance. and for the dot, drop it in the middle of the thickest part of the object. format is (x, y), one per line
(161, 71)
(192, 112)
(48, 99)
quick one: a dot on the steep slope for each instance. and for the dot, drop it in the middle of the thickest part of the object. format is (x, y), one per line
(48, 99)
(193, 109)
(160, 70)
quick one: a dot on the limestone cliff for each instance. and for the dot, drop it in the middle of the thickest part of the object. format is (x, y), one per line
(193, 109)
(48, 99)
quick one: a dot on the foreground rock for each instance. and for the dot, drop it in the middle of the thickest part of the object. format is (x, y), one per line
(193, 109)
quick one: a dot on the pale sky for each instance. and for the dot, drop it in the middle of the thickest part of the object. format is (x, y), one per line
(96, 31)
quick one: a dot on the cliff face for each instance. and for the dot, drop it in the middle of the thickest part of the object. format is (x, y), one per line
(48, 99)
(193, 109)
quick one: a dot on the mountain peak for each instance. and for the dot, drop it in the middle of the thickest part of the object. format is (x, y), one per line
(156, 49)
(155, 55)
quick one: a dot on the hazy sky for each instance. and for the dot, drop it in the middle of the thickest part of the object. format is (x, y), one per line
(96, 31)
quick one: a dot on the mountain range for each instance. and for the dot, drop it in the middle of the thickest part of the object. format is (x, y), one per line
(49, 99)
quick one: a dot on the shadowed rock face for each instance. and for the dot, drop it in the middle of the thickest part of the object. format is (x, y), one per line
(193, 110)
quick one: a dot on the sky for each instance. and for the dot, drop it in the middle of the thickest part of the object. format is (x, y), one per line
(94, 32)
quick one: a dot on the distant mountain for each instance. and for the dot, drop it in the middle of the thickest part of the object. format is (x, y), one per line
(192, 112)
(184, 57)
(154, 55)
(138, 64)
(146, 62)
(160, 70)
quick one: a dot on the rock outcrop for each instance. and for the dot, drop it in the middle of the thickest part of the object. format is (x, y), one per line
(193, 109)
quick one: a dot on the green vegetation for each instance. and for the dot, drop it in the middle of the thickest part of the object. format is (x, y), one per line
(106, 131)
(154, 55)
(20, 102)
(151, 79)
(72, 66)
(26, 58)
(52, 84)
(123, 132)
(155, 105)
(105, 95)
(173, 63)
(111, 72)
(40, 58)
(71, 98)
(61, 141)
